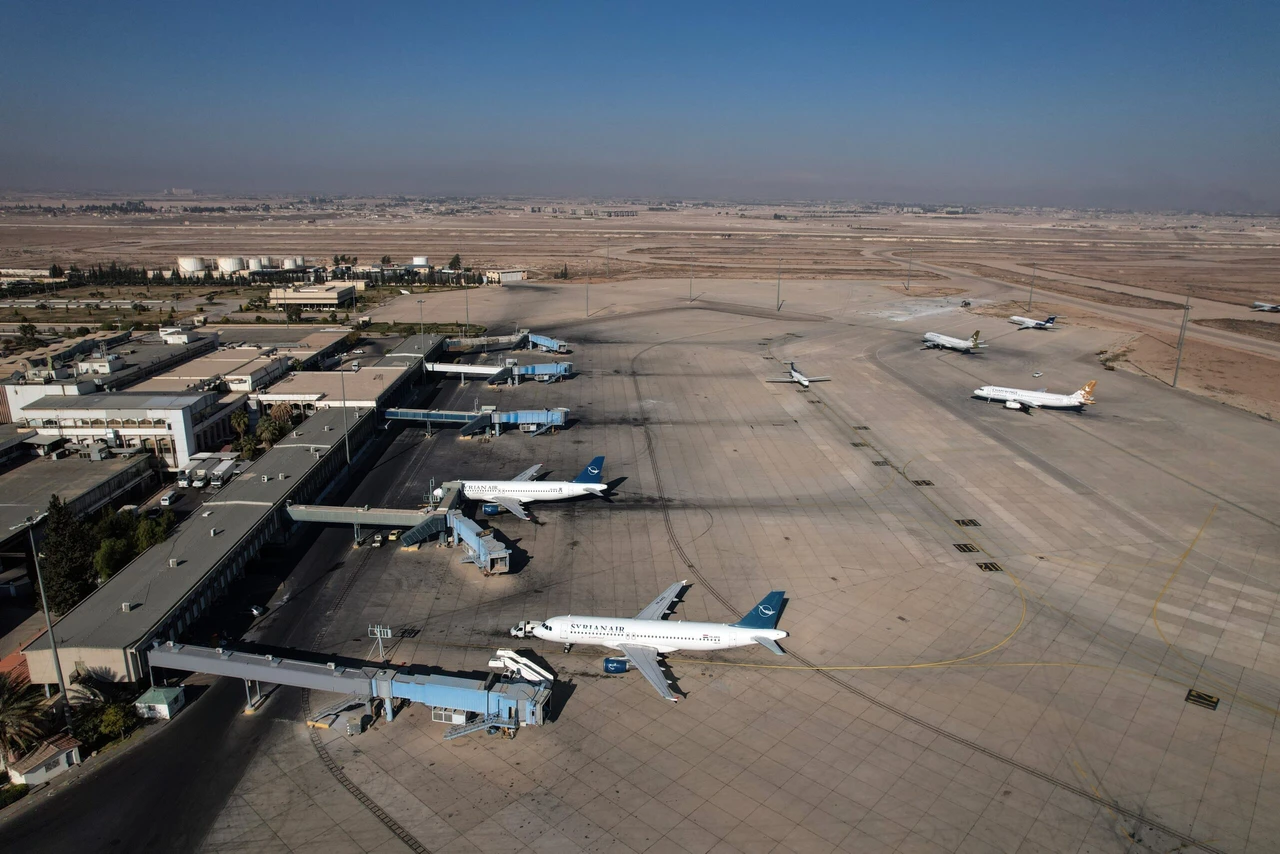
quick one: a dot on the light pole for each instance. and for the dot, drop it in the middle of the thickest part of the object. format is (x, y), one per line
(909, 260)
(690, 283)
(342, 378)
(1182, 336)
(606, 257)
(779, 285)
(420, 339)
(588, 300)
(466, 296)
(48, 621)
(1031, 295)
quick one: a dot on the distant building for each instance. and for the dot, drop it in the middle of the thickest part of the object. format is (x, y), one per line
(325, 297)
(503, 277)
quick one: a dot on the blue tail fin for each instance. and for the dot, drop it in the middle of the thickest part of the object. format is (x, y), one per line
(765, 614)
(593, 473)
(1051, 319)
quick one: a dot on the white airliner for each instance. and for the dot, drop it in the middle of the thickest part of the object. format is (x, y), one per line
(937, 341)
(649, 635)
(797, 377)
(1265, 306)
(1028, 323)
(513, 494)
(1019, 398)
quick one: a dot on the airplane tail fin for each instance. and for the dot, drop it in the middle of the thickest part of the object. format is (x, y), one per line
(977, 338)
(593, 473)
(765, 614)
(1086, 393)
(1049, 321)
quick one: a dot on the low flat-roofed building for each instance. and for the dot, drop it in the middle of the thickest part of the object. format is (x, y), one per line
(239, 369)
(85, 485)
(326, 297)
(49, 759)
(368, 388)
(504, 277)
(163, 591)
(172, 426)
(309, 347)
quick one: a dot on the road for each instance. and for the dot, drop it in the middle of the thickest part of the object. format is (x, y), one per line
(165, 793)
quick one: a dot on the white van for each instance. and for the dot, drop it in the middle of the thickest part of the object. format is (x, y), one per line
(170, 498)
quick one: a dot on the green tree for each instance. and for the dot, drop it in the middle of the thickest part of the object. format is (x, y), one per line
(386, 259)
(28, 335)
(117, 719)
(268, 431)
(240, 422)
(67, 557)
(82, 331)
(55, 272)
(293, 313)
(295, 365)
(247, 446)
(455, 263)
(112, 556)
(21, 715)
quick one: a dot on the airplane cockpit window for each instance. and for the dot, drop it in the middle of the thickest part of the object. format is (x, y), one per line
(546, 627)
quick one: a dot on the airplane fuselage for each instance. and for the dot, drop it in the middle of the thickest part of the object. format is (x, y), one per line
(662, 635)
(1037, 399)
(528, 490)
(1028, 323)
(798, 377)
(940, 341)
(1265, 306)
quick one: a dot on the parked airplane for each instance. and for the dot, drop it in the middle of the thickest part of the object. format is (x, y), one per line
(797, 377)
(937, 341)
(649, 635)
(512, 494)
(1028, 323)
(1018, 398)
(1265, 306)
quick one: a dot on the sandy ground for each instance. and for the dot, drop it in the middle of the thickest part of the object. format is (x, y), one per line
(1265, 329)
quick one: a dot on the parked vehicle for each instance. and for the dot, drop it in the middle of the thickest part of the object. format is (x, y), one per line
(170, 498)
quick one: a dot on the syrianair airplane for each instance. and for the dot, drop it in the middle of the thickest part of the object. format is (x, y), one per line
(797, 377)
(1265, 306)
(937, 341)
(649, 635)
(1017, 398)
(1028, 323)
(512, 494)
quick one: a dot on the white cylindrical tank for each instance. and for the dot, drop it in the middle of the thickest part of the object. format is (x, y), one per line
(231, 264)
(191, 264)
(255, 265)
(420, 260)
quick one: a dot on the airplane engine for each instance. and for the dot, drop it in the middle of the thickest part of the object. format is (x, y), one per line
(1012, 404)
(616, 665)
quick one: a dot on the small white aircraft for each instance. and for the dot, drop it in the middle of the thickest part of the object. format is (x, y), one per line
(1265, 306)
(1018, 398)
(797, 377)
(406, 293)
(649, 635)
(513, 494)
(1028, 323)
(938, 341)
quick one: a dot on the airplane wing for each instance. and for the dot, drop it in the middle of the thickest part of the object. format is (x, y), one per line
(513, 505)
(645, 658)
(819, 379)
(657, 609)
(778, 380)
(528, 473)
(1031, 325)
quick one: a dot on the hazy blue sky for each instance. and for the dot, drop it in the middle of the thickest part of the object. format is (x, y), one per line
(1122, 104)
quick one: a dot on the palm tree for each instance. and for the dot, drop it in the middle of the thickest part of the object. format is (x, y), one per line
(283, 413)
(21, 715)
(240, 422)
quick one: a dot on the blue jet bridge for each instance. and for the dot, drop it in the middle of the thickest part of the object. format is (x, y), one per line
(532, 421)
(509, 373)
(522, 338)
(509, 701)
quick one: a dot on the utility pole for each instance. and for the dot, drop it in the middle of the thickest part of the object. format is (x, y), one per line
(909, 260)
(779, 297)
(1031, 295)
(1182, 336)
(606, 257)
(588, 297)
(690, 283)
(342, 378)
(48, 621)
(466, 296)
